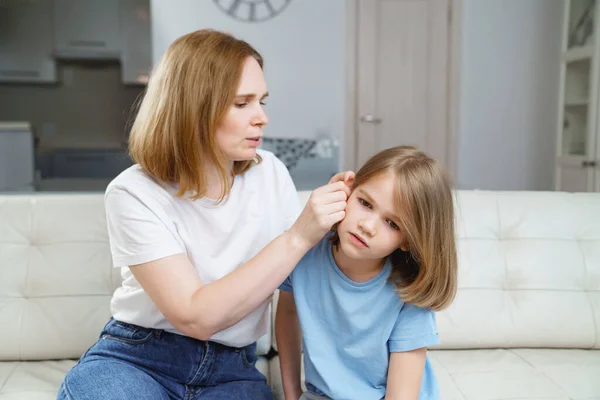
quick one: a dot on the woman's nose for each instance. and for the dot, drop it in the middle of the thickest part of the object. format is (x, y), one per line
(261, 117)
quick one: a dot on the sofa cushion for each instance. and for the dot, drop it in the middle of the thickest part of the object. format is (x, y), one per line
(56, 275)
(576, 372)
(505, 374)
(529, 271)
(32, 380)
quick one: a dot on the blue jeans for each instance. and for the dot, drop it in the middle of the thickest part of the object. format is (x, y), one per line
(131, 362)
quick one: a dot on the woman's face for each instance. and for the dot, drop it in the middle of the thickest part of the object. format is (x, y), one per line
(241, 131)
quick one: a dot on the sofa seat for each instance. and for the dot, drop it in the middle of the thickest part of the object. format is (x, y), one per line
(495, 374)
(40, 380)
(501, 374)
(32, 380)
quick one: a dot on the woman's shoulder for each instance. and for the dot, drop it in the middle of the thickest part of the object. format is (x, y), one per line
(270, 171)
(269, 161)
(135, 192)
(134, 181)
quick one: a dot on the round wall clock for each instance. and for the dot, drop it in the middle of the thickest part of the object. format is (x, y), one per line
(252, 10)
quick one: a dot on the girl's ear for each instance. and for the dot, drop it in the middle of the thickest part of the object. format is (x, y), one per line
(349, 179)
(404, 246)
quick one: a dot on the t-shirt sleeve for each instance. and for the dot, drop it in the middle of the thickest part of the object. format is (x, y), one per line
(136, 234)
(415, 328)
(286, 286)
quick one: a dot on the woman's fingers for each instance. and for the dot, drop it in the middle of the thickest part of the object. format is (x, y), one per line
(347, 177)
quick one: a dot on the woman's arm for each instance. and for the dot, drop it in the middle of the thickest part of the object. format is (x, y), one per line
(405, 373)
(200, 310)
(289, 344)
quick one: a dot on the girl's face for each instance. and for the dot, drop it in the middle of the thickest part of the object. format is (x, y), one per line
(241, 131)
(371, 229)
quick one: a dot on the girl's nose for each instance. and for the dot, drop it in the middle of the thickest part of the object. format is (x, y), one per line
(367, 225)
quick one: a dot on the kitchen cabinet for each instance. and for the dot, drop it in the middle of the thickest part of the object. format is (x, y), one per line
(87, 29)
(35, 33)
(26, 42)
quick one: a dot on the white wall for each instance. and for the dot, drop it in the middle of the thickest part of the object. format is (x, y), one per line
(304, 54)
(509, 89)
(509, 80)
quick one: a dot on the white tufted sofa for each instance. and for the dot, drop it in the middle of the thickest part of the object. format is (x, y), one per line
(525, 323)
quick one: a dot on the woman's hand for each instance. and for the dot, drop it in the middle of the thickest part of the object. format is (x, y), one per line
(325, 207)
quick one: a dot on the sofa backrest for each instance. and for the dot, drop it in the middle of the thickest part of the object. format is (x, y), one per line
(529, 271)
(55, 275)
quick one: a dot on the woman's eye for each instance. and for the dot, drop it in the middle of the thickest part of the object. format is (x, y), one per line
(241, 105)
(262, 103)
(393, 225)
(364, 203)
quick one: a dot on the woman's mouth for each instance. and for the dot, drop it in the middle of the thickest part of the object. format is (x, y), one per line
(254, 141)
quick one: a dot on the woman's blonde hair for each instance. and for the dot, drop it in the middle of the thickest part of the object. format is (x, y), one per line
(425, 275)
(189, 93)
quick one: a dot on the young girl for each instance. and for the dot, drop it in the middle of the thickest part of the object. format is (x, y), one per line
(364, 295)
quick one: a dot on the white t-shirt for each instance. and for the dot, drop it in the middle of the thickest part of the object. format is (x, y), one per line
(147, 222)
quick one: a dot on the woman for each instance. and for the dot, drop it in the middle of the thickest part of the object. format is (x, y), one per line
(204, 228)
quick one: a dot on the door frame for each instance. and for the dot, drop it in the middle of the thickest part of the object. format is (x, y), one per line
(350, 137)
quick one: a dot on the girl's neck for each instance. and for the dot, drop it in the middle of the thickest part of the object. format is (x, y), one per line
(358, 271)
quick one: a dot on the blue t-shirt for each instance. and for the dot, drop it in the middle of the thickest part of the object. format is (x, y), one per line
(349, 328)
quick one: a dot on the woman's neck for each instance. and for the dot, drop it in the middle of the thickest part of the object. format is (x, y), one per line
(356, 270)
(214, 185)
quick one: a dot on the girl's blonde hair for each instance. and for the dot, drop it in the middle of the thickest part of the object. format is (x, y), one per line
(426, 275)
(189, 93)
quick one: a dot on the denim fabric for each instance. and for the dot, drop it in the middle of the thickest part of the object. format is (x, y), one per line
(131, 362)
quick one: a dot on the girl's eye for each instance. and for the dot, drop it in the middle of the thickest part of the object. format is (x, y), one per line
(241, 105)
(262, 103)
(393, 225)
(364, 203)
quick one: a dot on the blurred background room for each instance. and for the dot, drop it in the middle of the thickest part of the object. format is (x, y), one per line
(502, 92)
